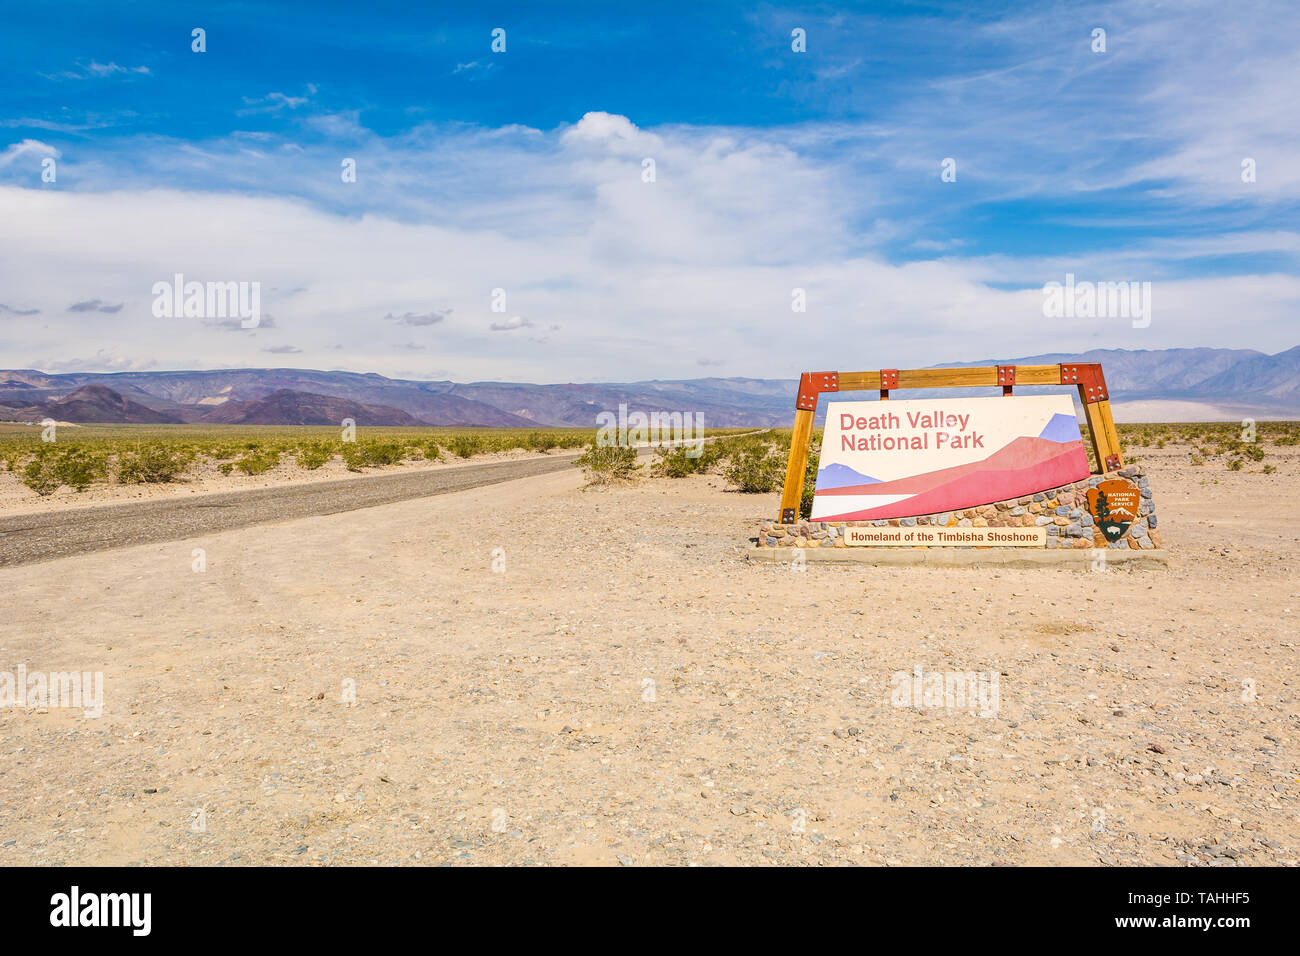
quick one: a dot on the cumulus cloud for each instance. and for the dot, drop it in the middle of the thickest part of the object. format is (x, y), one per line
(419, 318)
(94, 305)
(27, 147)
(95, 69)
(265, 321)
(283, 350)
(104, 360)
(511, 324)
(274, 102)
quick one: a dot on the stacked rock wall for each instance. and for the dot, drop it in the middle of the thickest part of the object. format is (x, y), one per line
(1062, 511)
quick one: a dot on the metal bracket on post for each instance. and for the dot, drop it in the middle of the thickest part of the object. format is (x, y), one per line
(888, 380)
(1088, 378)
(811, 384)
(1007, 378)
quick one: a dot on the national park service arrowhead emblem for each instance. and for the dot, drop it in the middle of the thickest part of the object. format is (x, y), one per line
(1114, 505)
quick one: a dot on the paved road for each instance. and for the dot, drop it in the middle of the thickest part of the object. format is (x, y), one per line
(28, 538)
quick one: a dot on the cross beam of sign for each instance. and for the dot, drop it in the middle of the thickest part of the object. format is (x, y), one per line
(1087, 376)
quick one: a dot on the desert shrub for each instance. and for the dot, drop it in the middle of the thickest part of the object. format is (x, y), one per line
(150, 464)
(358, 455)
(608, 464)
(1270, 469)
(384, 452)
(312, 456)
(38, 475)
(1254, 452)
(1236, 464)
(676, 463)
(431, 451)
(15, 453)
(79, 469)
(572, 439)
(258, 462)
(354, 456)
(755, 470)
(467, 446)
(541, 441)
(226, 467)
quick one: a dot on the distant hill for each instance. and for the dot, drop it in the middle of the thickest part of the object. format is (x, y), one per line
(1159, 385)
(93, 403)
(287, 407)
(1275, 376)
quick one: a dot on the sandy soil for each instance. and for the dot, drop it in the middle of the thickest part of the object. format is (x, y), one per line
(16, 498)
(1144, 716)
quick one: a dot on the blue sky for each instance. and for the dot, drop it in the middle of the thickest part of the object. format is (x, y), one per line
(522, 170)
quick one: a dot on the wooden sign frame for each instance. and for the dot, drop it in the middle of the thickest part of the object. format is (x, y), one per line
(1087, 376)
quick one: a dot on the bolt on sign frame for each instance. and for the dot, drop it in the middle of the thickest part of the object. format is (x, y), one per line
(1087, 376)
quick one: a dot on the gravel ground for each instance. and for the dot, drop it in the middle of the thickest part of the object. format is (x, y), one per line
(625, 690)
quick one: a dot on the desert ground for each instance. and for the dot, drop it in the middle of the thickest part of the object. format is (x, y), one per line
(533, 673)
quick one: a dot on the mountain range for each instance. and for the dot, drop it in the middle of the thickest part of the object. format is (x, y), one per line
(1145, 385)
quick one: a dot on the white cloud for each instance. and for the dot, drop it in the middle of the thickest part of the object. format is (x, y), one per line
(274, 102)
(27, 147)
(95, 69)
(647, 276)
(104, 360)
(510, 324)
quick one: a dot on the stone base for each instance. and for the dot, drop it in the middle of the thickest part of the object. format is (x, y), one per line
(1072, 558)
(1062, 512)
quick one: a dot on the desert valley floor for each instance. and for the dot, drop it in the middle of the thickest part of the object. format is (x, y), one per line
(628, 690)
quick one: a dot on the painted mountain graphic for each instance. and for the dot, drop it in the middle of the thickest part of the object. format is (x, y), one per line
(1062, 428)
(841, 476)
(1024, 466)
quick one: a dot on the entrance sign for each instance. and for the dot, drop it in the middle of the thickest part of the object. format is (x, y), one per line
(910, 458)
(958, 439)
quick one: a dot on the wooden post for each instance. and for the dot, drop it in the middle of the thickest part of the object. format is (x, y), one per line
(1096, 408)
(1096, 431)
(792, 493)
(1112, 437)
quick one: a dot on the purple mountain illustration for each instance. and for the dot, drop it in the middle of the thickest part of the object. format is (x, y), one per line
(1062, 428)
(841, 476)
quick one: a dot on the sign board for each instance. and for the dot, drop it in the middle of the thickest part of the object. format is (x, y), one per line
(1114, 506)
(900, 459)
(930, 537)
